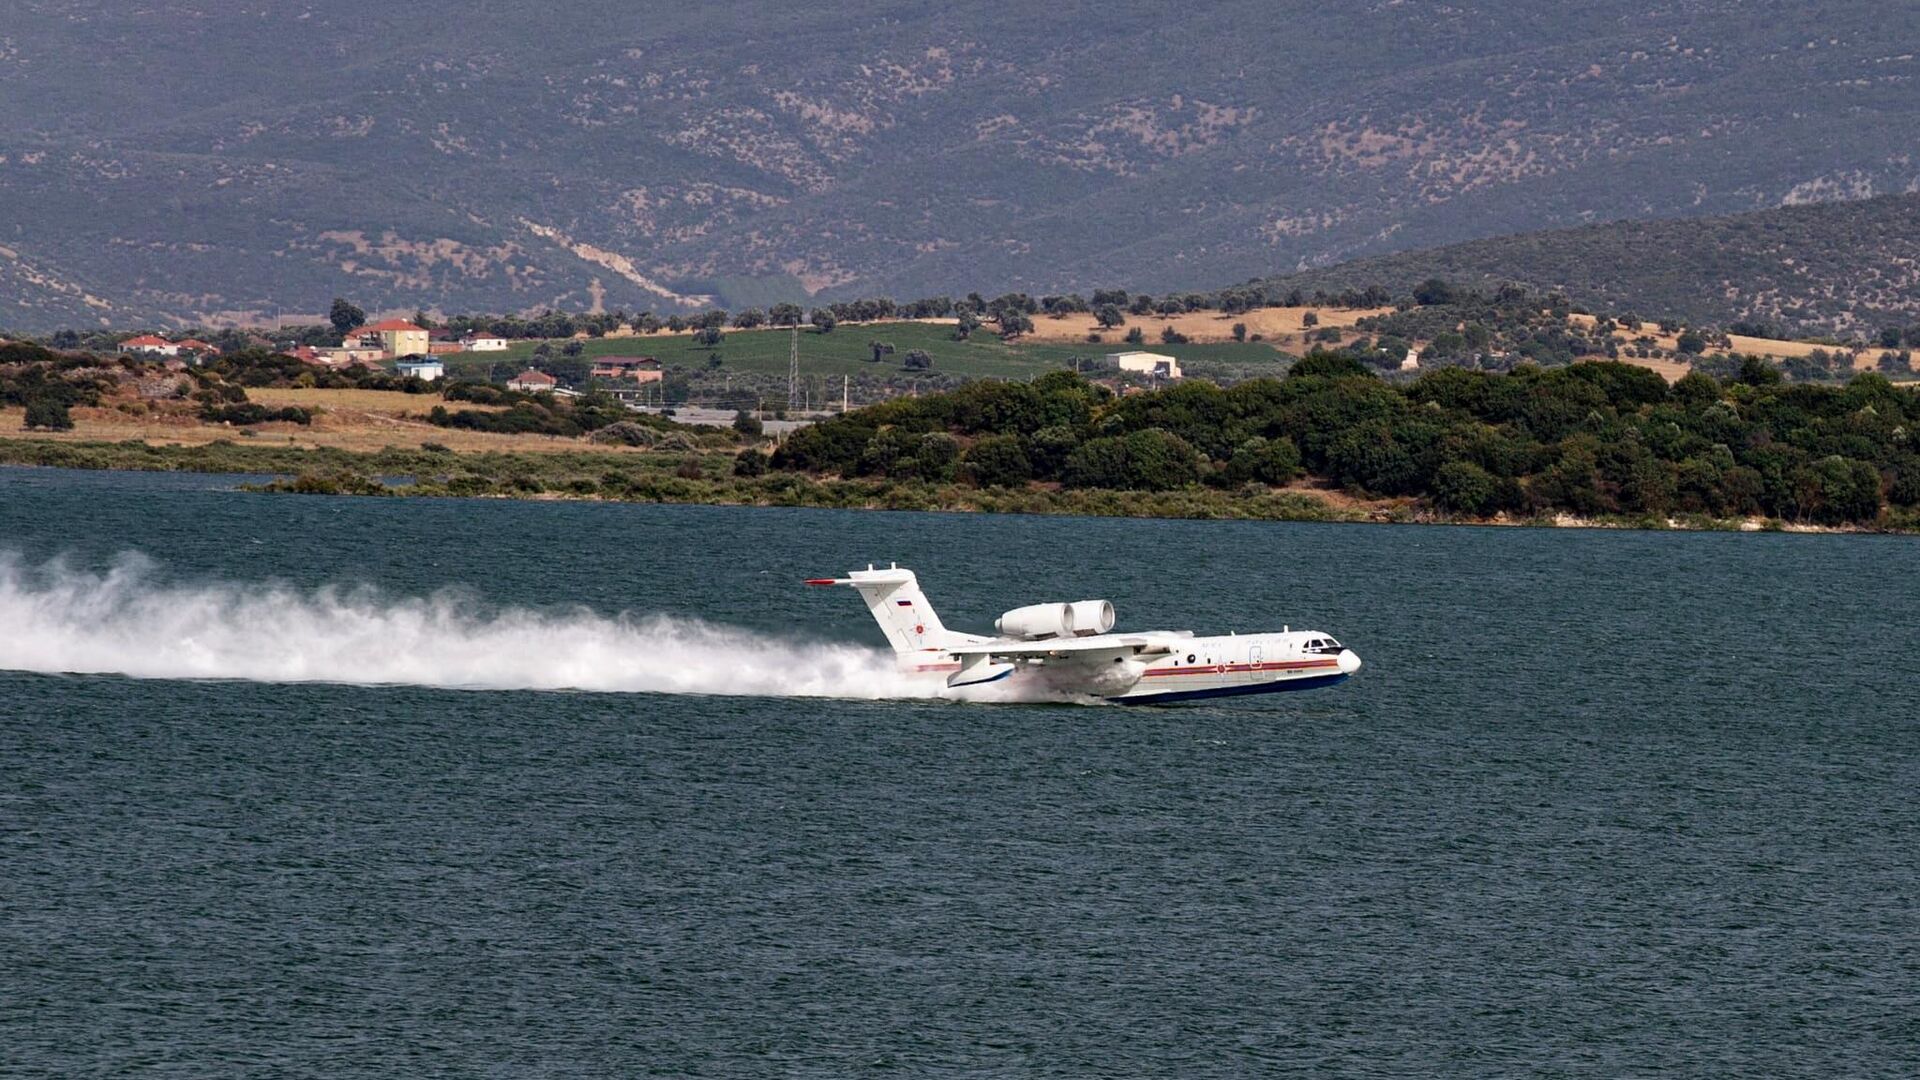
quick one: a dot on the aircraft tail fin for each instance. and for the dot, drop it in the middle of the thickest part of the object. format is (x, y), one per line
(893, 596)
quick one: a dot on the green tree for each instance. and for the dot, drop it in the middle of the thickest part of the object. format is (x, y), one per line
(918, 360)
(937, 456)
(998, 461)
(1755, 371)
(747, 424)
(48, 412)
(1328, 365)
(1109, 316)
(1150, 460)
(880, 349)
(1136, 336)
(784, 314)
(823, 320)
(967, 323)
(1239, 331)
(345, 317)
(1433, 292)
(1464, 487)
(1267, 461)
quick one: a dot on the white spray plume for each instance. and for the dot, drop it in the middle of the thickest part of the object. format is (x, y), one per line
(126, 621)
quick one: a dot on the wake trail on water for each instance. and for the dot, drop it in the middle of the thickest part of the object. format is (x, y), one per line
(128, 621)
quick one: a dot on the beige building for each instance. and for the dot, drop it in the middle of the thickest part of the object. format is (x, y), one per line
(395, 337)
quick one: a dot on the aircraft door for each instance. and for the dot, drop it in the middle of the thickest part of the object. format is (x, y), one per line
(1254, 674)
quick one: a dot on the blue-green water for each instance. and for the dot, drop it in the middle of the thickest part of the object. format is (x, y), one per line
(1600, 803)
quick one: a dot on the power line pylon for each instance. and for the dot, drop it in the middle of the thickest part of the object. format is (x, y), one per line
(793, 371)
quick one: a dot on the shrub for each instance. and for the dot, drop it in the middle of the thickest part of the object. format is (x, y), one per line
(331, 483)
(252, 413)
(625, 433)
(750, 462)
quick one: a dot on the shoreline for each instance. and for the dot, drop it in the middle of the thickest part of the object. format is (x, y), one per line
(701, 480)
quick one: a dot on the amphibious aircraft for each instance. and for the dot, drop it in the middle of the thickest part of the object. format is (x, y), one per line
(1070, 649)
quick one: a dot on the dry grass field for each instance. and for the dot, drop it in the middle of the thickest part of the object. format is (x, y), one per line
(364, 420)
(1281, 327)
(1767, 347)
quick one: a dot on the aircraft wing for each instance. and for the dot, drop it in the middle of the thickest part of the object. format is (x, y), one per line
(1064, 648)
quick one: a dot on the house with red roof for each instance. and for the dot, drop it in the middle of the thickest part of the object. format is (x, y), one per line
(151, 344)
(532, 382)
(641, 369)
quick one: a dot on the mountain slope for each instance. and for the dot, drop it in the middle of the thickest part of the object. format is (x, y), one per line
(1838, 268)
(181, 160)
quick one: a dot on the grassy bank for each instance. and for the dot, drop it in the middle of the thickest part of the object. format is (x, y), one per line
(697, 477)
(705, 478)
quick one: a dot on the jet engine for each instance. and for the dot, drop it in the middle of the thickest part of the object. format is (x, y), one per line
(1040, 621)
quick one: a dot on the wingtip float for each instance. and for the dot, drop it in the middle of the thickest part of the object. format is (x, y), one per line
(1070, 648)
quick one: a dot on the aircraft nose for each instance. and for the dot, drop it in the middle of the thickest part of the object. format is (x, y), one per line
(1349, 661)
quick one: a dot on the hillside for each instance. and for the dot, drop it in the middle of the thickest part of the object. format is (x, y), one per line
(1837, 268)
(193, 162)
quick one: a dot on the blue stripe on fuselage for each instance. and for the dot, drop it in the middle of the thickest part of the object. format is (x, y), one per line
(1007, 674)
(1274, 687)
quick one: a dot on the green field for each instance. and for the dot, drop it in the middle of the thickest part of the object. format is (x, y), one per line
(845, 351)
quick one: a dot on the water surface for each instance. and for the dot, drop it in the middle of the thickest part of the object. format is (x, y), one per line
(1601, 803)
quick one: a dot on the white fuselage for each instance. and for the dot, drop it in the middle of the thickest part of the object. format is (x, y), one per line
(1194, 668)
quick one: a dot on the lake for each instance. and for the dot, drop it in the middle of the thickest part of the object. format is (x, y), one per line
(1600, 803)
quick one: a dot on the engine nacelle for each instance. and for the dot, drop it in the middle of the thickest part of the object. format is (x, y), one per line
(1039, 621)
(1092, 617)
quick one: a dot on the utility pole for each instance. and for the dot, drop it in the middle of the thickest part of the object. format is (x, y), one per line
(844, 380)
(793, 371)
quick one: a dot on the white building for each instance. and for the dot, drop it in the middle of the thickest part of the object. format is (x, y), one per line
(1146, 363)
(484, 344)
(430, 370)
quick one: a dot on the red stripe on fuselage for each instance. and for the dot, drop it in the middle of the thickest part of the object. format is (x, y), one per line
(1230, 669)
